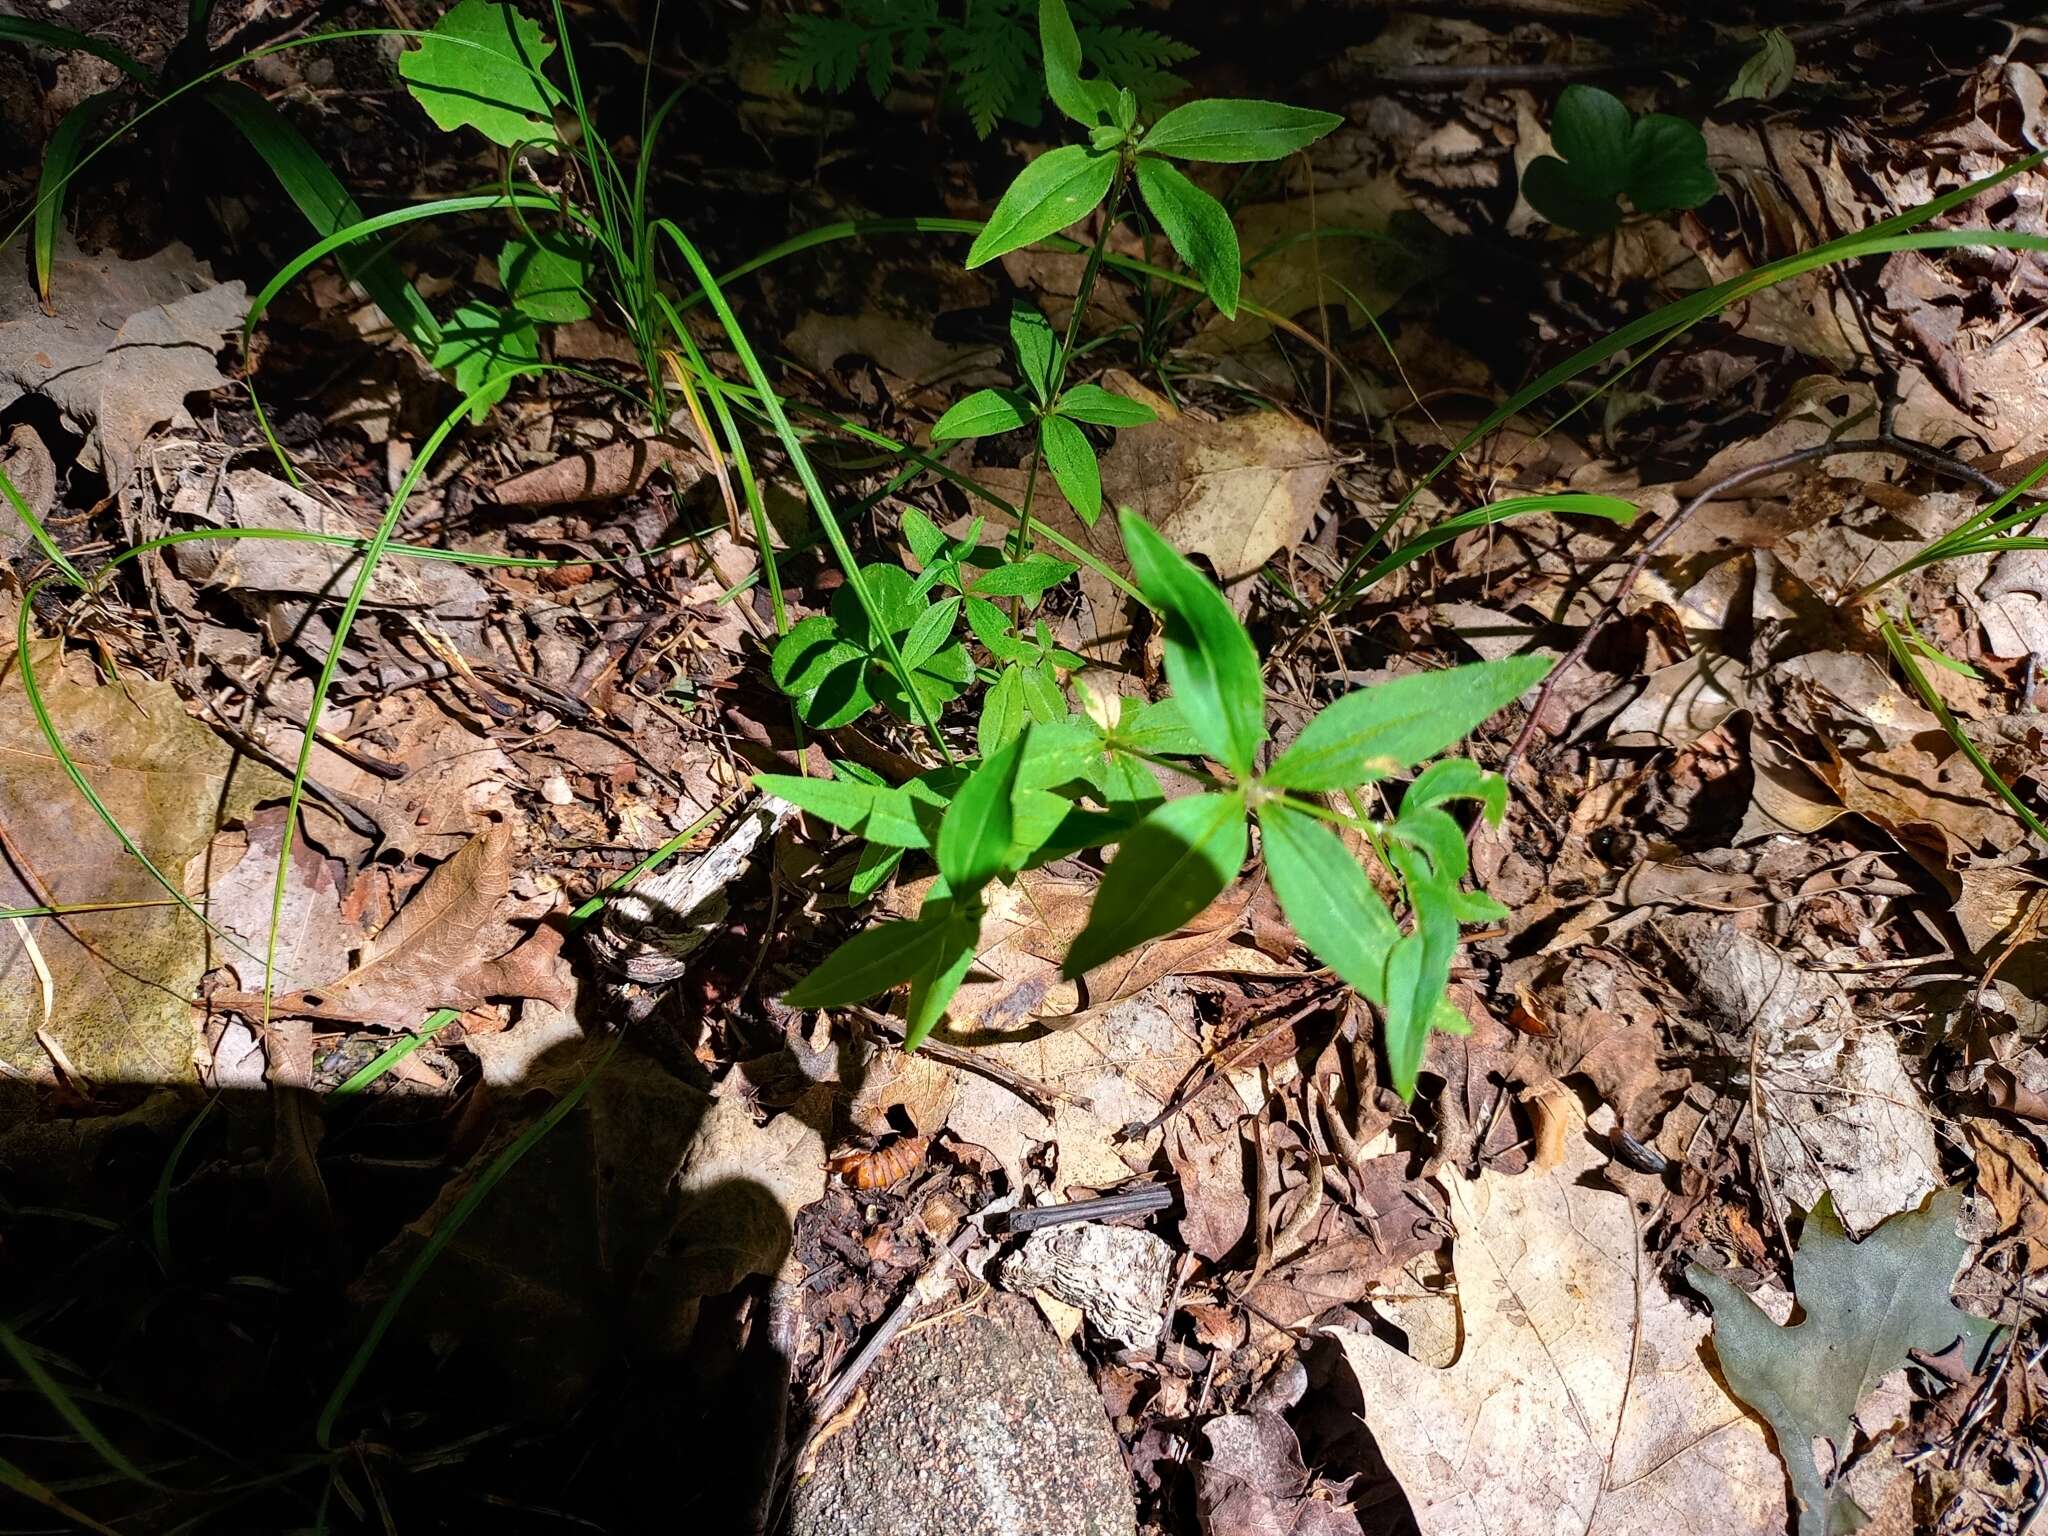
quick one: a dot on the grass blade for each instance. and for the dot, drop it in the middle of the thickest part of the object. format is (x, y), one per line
(60, 161)
(318, 194)
(444, 1234)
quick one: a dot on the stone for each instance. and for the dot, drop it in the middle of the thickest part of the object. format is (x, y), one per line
(981, 1424)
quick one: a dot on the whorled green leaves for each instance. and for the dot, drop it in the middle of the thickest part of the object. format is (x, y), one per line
(1066, 183)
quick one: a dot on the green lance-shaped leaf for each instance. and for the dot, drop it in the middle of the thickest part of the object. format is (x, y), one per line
(1050, 193)
(980, 822)
(878, 958)
(1328, 898)
(1071, 457)
(1031, 577)
(1104, 408)
(1210, 660)
(480, 68)
(319, 195)
(1237, 132)
(934, 627)
(1173, 864)
(1087, 102)
(60, 158)
(1197, 226)
(939, 974)
(1389, 728)
(1031, 338)
(982, 414)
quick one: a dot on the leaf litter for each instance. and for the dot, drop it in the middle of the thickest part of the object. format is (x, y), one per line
(1772, 972)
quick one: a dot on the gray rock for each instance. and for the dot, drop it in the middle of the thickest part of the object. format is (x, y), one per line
(984, 1424)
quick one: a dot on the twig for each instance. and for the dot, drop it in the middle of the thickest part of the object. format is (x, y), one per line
(1040, 1096)
(1445, 76)
(1905, 448)
(1141, 1200)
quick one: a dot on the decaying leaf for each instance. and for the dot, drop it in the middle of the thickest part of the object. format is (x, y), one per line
(128, 342)
(1864, 1306)
(269, 568)
(1841, 1114)
(1579, 1400)
(600, 474)
(1235, 491)
(451, 946)
(122, 982)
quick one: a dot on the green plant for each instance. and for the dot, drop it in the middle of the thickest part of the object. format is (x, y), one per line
(1657, 162)
(985, 50)
(1992, 530)
(1044, 788)
(306, 179)
(1065, 447)
(1065, 185)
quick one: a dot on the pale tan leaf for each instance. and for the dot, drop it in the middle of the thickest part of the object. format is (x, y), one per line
(1579, 1400)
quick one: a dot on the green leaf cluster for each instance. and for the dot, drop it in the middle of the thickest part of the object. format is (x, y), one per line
(1049, 783)
(1066, 184)
(985, 51)
(1057, 417)
(1656, 161)
(481, 67)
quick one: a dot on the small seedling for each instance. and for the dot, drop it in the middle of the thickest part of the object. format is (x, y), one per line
(1657, 162)
(1067, 451)
(1050, 787)
(1065, 185)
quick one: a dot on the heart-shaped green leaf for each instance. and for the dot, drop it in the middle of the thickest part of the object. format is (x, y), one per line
(1657, 162)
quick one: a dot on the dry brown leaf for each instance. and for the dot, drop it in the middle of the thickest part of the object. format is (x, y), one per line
(124, 344)
(449, 947)
(600, 474)
(2010, 1176)
(1579, 1400)
(1236, 491)
(121, 981)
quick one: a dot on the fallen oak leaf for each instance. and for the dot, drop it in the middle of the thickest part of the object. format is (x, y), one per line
(449, 947)
(1865, 1307)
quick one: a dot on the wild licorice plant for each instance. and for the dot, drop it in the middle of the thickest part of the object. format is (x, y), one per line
(1050, 780)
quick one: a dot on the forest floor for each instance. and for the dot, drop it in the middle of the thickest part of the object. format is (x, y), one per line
(426, 1184)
